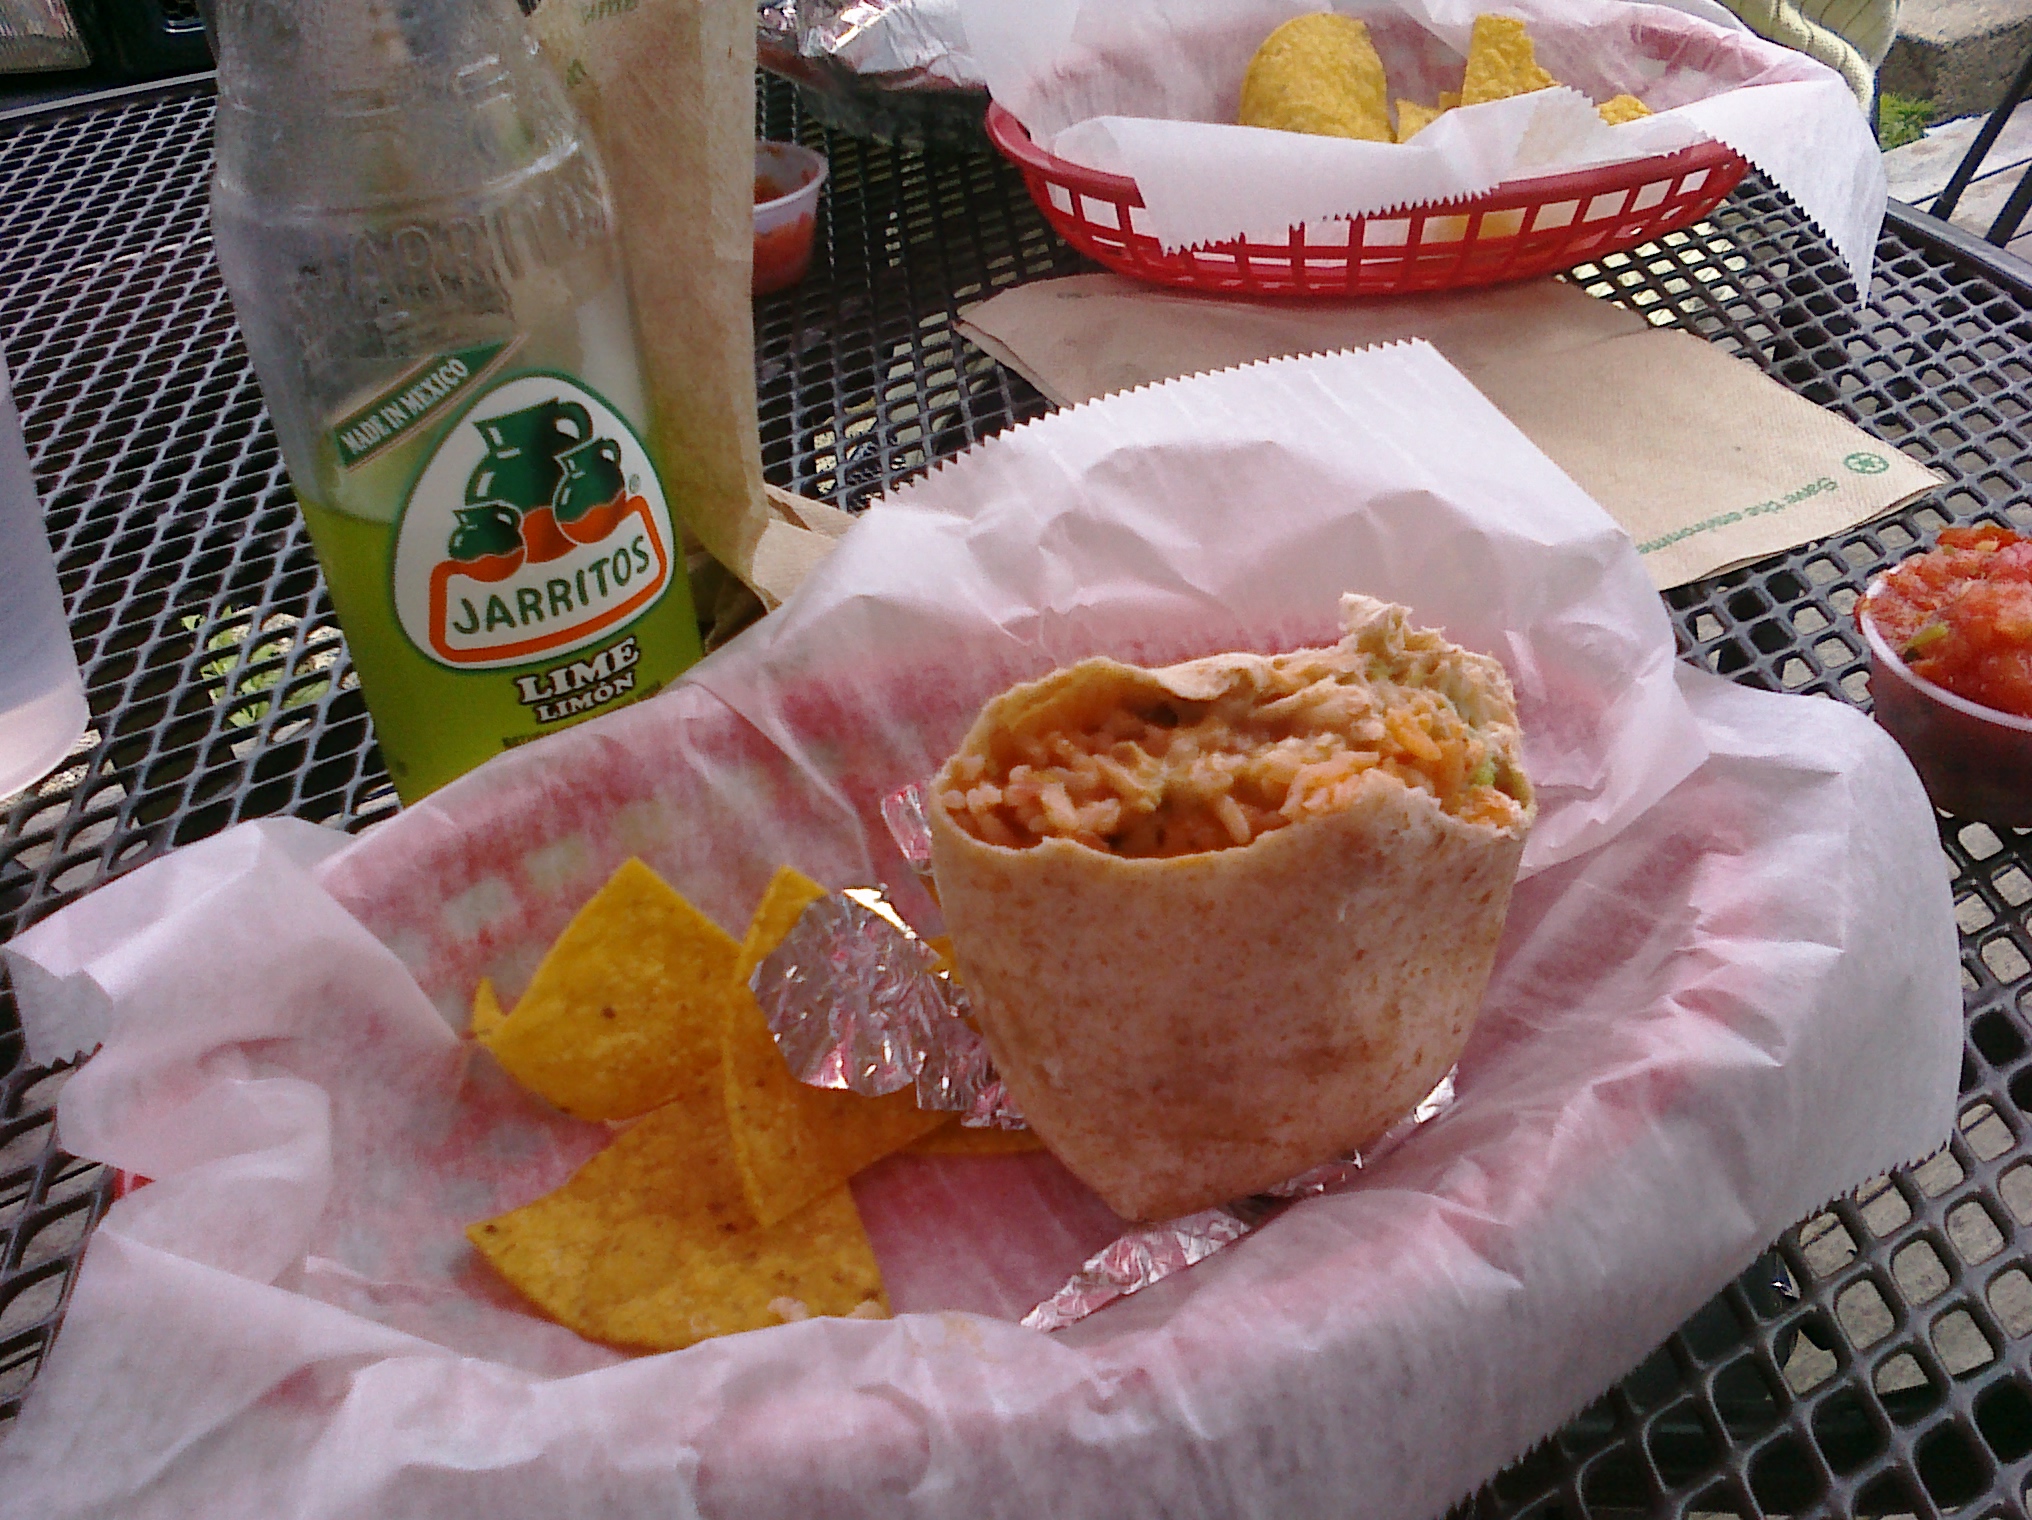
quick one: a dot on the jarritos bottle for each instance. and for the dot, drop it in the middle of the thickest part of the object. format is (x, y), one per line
(421, 251)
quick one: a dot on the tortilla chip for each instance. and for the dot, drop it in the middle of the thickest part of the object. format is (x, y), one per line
(627, 1009)
(1319, 74)
(955, 1139)
(659, 1287)
(651, 1245)
(487, 1015)
(784, 900)
(544, 1250)
(675, 1164)
(1501, 62)
(795, 1143)
(1413, 118)
(1618, 109)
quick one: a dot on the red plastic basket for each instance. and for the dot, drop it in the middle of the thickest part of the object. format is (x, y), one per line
(1519, 229)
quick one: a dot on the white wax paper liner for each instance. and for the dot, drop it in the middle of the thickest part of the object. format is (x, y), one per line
(1728, 990)
(1150, 89)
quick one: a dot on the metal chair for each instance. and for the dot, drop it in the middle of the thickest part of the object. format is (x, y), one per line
(2005, 227)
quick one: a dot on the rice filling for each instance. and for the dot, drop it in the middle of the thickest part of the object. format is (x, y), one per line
(1139, 770)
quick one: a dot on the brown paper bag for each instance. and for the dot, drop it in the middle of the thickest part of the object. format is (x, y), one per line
(667, 88)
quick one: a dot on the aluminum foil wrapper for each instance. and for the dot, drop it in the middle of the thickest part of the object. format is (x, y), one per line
(856, 1002)
(903, 44)
(1331, 1176)
(1138, 1259)
(1152, 1253)
(906, 811)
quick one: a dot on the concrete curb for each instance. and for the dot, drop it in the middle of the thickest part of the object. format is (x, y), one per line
(1959, 54)
(1919, 171)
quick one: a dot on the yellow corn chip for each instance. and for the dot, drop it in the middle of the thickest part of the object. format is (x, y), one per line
(1501, 62)
(1449, 100)
(795, 1143)
(544, 1250)
(1413, 118)
(658, 1287)
(784, 900)
(1318, 74)
(487, 1014)
(955, 1139)
(675, 1163)
(1618, 109)
(651, 1244)
(628, 1008)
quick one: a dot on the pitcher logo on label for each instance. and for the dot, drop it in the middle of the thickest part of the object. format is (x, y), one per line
(537, 525)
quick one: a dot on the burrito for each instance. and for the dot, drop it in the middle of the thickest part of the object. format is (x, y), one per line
(1227, 920)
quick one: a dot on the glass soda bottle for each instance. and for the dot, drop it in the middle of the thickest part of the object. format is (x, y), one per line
(421, 251)
(42, 698)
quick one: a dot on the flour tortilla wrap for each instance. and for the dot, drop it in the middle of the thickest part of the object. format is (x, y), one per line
(1188, 1018)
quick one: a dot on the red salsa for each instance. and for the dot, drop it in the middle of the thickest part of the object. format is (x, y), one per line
(1960, 616)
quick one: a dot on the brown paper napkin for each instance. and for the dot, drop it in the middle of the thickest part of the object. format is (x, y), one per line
(796, 538)
(1704, 460)
(667, 89)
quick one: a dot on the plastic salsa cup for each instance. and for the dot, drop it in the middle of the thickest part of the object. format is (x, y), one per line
(1975, 761)
(788, 178)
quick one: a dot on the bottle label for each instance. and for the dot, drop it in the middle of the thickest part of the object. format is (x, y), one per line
(421, 396)
(536, 525)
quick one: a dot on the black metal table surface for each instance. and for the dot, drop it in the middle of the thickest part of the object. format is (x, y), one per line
(1879, 1361)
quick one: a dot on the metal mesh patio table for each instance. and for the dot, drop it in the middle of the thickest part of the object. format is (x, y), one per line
(1877, 1361)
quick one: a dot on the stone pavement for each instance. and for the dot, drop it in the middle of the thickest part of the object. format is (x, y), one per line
(1919, 171)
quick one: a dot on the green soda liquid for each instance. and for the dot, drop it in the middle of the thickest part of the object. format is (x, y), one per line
(531, 576)
(421, 249)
